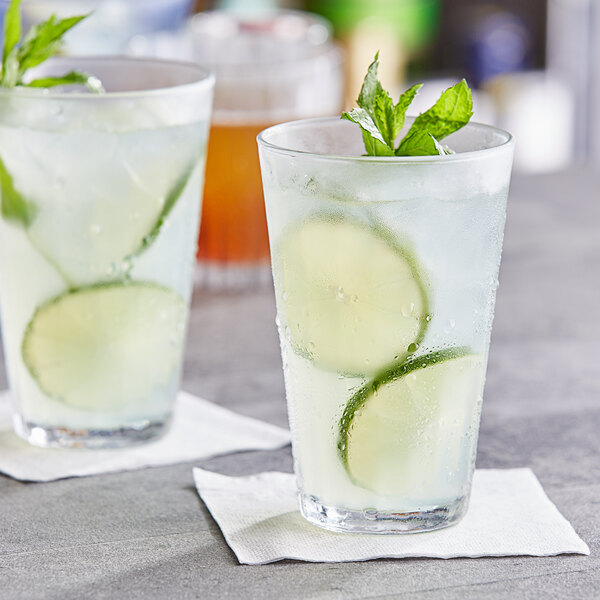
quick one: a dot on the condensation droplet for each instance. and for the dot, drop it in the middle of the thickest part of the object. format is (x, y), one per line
(408, 309)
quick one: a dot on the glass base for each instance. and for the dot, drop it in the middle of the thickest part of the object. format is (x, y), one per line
(232, 276)
(380, 522)
(94, 439)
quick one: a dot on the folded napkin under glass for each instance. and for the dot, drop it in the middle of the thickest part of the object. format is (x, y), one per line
(509, 515)
(200, 429)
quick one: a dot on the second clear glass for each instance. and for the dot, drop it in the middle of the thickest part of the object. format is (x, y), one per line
(385, 274)
(100, 208)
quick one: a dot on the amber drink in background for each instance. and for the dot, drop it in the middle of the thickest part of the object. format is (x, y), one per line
(234, 223)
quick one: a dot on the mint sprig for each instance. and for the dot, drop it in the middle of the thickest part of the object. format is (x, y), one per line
(40, 43)
(18, 56)
(381, 120)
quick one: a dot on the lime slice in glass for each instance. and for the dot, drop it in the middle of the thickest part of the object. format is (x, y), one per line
(106, 346)
(350, 297)
(400, 429)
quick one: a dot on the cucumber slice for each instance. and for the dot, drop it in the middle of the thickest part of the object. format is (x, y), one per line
(349, 296)
(106, 346)
(406, 429)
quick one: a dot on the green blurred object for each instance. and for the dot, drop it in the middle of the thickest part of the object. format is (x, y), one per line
(415, 21)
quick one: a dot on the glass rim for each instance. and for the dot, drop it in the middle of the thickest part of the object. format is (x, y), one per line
(263, 142)
(328, 48)
(205, 79)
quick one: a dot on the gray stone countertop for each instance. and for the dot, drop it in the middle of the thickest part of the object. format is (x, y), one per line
(146, 534)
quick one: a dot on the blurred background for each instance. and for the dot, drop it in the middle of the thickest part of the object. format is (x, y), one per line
(535, 65)
(534, 68)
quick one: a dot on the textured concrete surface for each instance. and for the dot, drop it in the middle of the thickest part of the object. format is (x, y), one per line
(146, 534)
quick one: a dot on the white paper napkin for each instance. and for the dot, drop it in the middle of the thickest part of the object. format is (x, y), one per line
(200, 429)
(509, 515)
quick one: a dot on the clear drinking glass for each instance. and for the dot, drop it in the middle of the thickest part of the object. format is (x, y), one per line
(385, 275)
(100, 201)
(111, 24)
(270, 67)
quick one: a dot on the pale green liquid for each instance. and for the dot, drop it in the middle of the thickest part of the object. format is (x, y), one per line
(97, 194)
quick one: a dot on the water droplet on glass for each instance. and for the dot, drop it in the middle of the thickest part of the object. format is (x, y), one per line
(95, 229)
(408, 309)
(339, 294)
(126, 266)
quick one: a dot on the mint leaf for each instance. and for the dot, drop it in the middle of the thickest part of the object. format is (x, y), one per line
(371, 88)
(10, 70)
(404, 102)
(384, 117)
(387, 117)
(381, 120)
(73, 78)
(451, 112)
(14, 206)
(376, 114)
(374, 142)
(374, 147)
(390, 117)
(12, 31)
(43, 41)
(420, 143)
(40, 43)
(372, 114)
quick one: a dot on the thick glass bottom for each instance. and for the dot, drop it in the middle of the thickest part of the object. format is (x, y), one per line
(379, 522)
(232, 276)
(94, 439)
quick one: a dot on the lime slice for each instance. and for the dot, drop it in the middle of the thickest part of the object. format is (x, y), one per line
(107, 346)
(109, 228)
(398, 431)
(349, 296)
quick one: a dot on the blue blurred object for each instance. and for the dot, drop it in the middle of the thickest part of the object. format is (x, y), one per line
(500, 43)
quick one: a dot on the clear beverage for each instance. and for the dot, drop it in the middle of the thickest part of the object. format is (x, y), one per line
(385, 274)
(100, 202)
